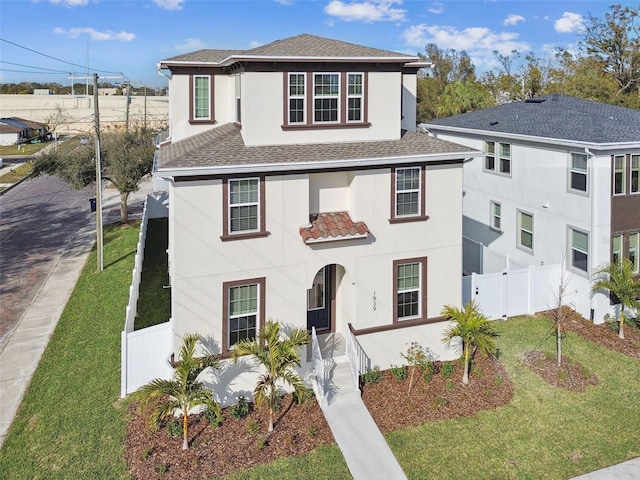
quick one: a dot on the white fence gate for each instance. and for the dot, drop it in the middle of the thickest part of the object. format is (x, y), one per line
(514, 292)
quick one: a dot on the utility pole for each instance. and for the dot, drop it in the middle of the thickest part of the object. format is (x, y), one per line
(99, 247)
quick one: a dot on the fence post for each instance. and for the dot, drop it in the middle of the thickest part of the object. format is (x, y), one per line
(123, 363)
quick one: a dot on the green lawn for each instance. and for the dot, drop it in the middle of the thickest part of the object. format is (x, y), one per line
(17, 174)
(25, 149)
(72, 424)
(154, 302)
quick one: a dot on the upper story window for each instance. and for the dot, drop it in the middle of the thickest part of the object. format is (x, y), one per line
(297, 110)
(619, 177)
(635, 174)
(325, 100)
(409, 282)
(578, 172)
(201, 99)
(326, 96)
(497, 157)
(238, 92)
(408, 194)
(244, 208)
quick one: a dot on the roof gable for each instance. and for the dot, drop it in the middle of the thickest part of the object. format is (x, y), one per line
(558, 117)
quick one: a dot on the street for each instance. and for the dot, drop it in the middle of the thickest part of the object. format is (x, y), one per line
(38, 218)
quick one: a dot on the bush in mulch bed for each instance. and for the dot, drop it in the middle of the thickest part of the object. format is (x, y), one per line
(438, 395)
(237, 444)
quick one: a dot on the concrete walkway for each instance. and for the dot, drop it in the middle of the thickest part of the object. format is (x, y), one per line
(365, 450)
(21, 355)
(629, 470)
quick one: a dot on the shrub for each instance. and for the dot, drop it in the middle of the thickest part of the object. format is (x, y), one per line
(253, 427)
(399, 373)
(447, 369)
(420, 357)
(174, 428)
(240, 409)
(373, 375)
(313, 431)
(261, 442)
(213, 418)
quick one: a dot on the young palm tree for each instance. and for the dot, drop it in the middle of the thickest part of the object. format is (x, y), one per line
(618, 278)
(278, 355)
(474, 329)
(184, 392)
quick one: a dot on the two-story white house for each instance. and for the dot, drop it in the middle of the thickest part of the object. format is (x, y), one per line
(300, 191)
(559, 183)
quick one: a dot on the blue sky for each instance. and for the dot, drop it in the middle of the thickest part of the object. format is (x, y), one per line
(130, 36)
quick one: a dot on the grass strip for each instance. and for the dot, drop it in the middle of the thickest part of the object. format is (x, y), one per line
(71, 423)
(18, 173)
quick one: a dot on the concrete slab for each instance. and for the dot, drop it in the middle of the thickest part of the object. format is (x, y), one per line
(629, 470)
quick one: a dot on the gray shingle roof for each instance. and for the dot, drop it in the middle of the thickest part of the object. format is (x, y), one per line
(553, 116)
(300, 46)
(224, 146)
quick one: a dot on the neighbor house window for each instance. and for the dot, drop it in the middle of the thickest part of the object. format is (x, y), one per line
(243, 210)
(635, 174)
(579, 247)
(525, 230)
(201, 97)
(497, 157)
(326, 97)
(409, 289)
(634, 249)
(297, 98)
(496, 216)
(238, 92)
(578, 172)
(616, 248)
(355, 97)
(243, 310)
(619, 175)
(408, 196)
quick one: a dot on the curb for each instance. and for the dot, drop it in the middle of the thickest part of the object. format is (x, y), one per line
(15, 184)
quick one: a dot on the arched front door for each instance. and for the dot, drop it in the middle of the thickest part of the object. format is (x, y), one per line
(319, 299)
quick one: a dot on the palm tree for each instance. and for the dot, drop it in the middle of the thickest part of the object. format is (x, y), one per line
(184, 391)
(618, 278)
(277, 354)
(474, 329)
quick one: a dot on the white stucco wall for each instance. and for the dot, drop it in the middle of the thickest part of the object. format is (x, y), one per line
(201, 262)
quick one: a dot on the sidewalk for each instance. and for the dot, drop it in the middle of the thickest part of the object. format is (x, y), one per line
(20, 357)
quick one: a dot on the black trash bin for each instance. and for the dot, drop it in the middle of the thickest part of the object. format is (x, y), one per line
(92, 201)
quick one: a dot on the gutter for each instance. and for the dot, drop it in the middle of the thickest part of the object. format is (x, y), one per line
(323, 165)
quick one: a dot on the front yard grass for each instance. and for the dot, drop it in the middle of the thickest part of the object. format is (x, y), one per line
(72, 424)
(25, 149)
(17, 173)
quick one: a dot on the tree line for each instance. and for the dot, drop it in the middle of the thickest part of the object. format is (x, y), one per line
(79, 88)
(606, 68)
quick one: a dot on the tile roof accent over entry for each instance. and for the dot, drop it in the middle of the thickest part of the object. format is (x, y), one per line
(331, 227)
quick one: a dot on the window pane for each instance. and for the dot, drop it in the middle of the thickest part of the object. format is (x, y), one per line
(408, 304)
(201, 100)
(355, 84)
(580, 240)
(616, 248)
(579, 181)
(526, 239)
(579, 162)
(355, 109)
(244, 218)
(490, 163)
(407, 179)
(634, 248)
(526, 221)
(243, 299)
(326, 110)
(490, 147)
(505, 165)
(243, 191)
(296, 84)
(408, 276)
(505, 150)
(326, 84)
(635, 173)
(579, 260)
(296, 110)
(407, 204)
(619, 180)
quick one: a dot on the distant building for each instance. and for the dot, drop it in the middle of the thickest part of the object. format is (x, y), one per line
(42, 91)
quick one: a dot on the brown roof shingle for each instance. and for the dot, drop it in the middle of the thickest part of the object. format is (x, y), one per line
(333, 226)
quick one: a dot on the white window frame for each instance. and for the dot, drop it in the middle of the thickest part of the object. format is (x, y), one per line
(232, 206)
(255, 313)
(522, 229)
(635, 168)
(329, 96)
(195, 97)
(351, 96)
(297, 96)
(417, 191)
(571, 230)
(493, 216)
(495, 151)
(417, 290)
(634, 246)
(573, 171)
(623, 158)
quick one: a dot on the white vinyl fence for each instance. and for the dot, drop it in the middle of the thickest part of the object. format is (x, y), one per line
(478, 258)
(145, 352)
(514, 292)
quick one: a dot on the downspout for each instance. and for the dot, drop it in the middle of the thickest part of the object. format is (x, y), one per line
(592, 200)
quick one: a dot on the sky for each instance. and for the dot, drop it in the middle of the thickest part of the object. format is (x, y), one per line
(46, 40)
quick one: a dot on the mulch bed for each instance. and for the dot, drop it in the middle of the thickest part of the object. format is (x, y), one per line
(440, 398)
(568, 375)
(233, 446)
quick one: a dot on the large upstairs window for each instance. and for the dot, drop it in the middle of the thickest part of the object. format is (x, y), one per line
(497, 157)
(408, 194)
(244, 208)
(326, 97)
(578, 173)
(201, 106)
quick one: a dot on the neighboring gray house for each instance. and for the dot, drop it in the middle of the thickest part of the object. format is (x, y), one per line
(559, 183)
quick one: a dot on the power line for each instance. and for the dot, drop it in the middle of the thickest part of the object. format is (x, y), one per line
(31, 66)
(31, 71)
(57, 59)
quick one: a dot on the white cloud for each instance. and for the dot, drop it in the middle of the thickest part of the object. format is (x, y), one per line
(169, 4)
(436, 8)
(513, 19)
(366, 11)
(284, 2)
(478, 42)
(70, 3)
(94, 34)
(254, 44)
(569, 23)
(189, 45)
